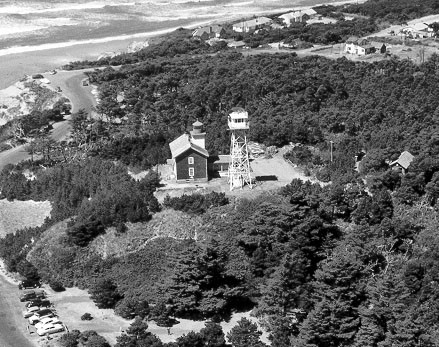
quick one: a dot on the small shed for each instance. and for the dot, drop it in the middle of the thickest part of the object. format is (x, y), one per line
(403, 162)
(219, 164)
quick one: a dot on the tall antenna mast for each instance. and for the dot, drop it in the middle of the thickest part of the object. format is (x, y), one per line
(239, 167)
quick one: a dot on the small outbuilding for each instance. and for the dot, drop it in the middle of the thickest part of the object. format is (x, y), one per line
(219, 165)
(403, 162)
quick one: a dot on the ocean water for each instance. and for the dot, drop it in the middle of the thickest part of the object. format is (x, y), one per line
(38, 35)
(37, 22)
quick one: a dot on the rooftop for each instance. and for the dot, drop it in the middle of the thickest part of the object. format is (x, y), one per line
(253, 22)
(182, 144)
(404, 160)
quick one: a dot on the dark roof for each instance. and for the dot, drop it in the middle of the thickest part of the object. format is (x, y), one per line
(404, 160)
(208, 30)
(182, 144)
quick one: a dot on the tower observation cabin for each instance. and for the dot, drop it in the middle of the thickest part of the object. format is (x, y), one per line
(238, 119)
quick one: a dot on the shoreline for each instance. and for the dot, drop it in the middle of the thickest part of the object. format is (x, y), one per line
(15, 62)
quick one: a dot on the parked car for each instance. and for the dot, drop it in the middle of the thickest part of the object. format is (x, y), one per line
(30, 311)
(50, 329)
(25, 284)
(32, 294)
(38, 302)
(47, 320)
(37, 316)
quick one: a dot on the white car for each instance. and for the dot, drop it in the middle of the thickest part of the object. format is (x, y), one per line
(47, 320)
(50, 329)
(30, 311)
(41, 314)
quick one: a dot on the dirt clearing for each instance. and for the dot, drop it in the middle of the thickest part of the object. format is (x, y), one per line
(16, 215)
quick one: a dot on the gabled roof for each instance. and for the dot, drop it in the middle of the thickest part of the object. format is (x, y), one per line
(298, 13)
(290, 15)
(182, 144)
(404, 160)
(253, 22)
(309, 12)
(208, 30)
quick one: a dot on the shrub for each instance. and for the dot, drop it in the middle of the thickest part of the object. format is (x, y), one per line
(323, 175)
(130, 307)
(196, 203)
(86, 316)
(105, 294)
(57, 286)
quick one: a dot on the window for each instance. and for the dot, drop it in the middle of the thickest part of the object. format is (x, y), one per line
(191, 172)
(190, 160)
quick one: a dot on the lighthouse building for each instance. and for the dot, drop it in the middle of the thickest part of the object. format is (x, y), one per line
(189, 155)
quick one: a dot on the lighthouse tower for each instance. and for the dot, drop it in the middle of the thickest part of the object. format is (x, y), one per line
(239, 167)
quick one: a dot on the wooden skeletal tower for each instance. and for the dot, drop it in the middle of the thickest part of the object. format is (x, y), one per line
(239, 167)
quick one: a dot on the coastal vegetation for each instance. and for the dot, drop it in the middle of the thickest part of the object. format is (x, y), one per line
(377, 232)
(351, 263)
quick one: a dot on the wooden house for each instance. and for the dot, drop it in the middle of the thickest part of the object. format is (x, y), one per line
(298, 16)
(208, 32)
(358, 46)
(189, 156)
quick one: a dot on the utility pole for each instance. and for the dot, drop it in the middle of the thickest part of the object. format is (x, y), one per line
(331, 142)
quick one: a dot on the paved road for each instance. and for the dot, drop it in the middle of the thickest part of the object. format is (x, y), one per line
(12, 324)
(79, 96)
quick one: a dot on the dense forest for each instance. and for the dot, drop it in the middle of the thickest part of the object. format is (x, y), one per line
(357, 254)
(350, 263)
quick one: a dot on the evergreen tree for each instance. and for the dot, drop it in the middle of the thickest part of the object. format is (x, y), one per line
(245, 334)
(213, 335)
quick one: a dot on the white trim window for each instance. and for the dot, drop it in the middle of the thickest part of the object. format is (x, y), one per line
(190, 160)
(191, 172)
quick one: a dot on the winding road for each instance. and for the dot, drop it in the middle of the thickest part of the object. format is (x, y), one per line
(80, 97)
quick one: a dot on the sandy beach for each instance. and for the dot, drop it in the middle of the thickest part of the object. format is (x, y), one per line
(28, 60)
(33, 56)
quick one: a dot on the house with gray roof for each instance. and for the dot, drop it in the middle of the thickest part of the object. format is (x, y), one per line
(250, 25)
(403, 162)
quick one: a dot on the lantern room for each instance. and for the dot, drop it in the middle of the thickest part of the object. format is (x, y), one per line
(238, 119)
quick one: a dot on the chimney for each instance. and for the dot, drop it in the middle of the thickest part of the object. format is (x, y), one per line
(198, 137)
